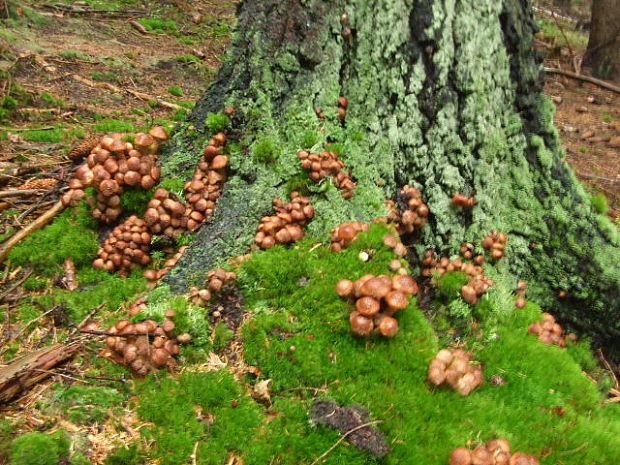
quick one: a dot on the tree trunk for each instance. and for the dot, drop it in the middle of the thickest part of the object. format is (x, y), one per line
(444, 95)
(603, 52)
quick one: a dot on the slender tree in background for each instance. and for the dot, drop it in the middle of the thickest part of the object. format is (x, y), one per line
(603, 52)
(444, 95)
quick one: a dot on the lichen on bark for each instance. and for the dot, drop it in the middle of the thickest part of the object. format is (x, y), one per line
(444, 95)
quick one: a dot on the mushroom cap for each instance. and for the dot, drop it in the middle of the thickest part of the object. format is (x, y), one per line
(346, 232)
(498, 444)
(405, 284)
(143, 140)
(481, 456)
(367, 306)
(445, 356)
(460, 456)
(360, 325)
(376, 288)
(396, 300)
(344, 288)
(159, 133)
(388, 327)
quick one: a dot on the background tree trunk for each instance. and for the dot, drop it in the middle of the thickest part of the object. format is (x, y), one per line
(603, 52)
(444, 95)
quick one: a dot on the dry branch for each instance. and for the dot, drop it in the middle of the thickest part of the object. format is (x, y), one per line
(581, 77)
(26, 371)
(41, 221)
(20, 193)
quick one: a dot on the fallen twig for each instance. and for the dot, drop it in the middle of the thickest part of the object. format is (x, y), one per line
(135, 93)
(342, 438)
(18, 193)
(15, 285)
(608, 366)
(139, 27)
(41, 221)
(589, 79)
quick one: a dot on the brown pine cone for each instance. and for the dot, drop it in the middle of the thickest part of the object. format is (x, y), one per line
(83, 148)
(43, 184)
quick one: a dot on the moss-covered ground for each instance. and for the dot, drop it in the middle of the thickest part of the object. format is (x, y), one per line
(296, 333)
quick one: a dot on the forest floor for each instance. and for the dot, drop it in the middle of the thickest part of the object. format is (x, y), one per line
(69, 70)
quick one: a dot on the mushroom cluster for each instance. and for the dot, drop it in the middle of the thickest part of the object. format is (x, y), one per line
(549, 331)
(476, 286)
(216, 280)
(496, 243)
(126, 247)
(155, 275)
(478, 283)
(166, 215)
(467, 251)
(343, 235)
(343, 103)
(138, 306)
(521, 289)
(326, 164)
(145, 346)
(494, 452)
(393, 242)
(113, 164)
(377, 299)
(455, 368)
(413, 212)
(461, 200)
(286, 225)
(205, 187)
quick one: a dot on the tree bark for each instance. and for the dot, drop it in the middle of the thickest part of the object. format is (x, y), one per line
(603, 52)
(444, 95)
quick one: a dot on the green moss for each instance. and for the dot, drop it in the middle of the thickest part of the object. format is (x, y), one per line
(71, 235)
(265, 151)
(113, 125)
(6, 437)
(51, 136)
(125, 455)
(36, 283)
(82, 404)
(159, 26)
(217, 122)
(39, 449)
(134, 201)
(599, 204)
(175, 90)
(222, 336)
(450, 284)
(206, 407)
(97, 288)
(106, 76)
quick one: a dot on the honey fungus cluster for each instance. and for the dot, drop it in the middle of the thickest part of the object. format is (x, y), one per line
(145, 346)
(113, 164)
(377, 299)
(413, 212)
(343, 235)
(324, 164)
(494, 452)
(216, 280)
(155, 275)
(166, 215)
(549, 331)
(496, 244)
(461, 200)
(286, 225)
(455, 368)
(478, 283)
(205, 187)
(127, 247)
